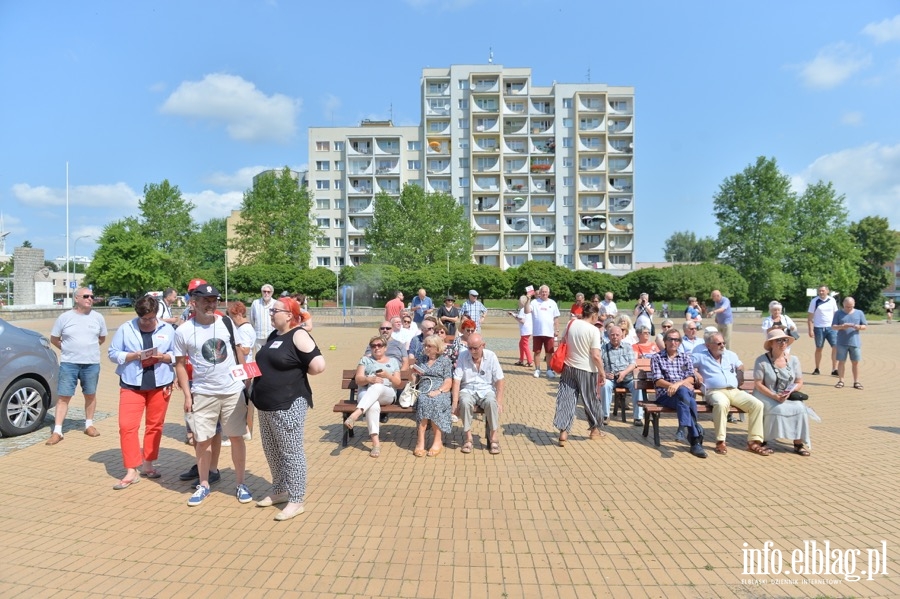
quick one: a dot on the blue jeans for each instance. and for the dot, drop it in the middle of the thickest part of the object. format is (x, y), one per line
(685, 405)
(70, 374)
(606, 397)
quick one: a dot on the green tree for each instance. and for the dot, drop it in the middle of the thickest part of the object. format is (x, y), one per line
(489, 281)
(249, 278)
(753, 211)
(539, 272)
(878, 246)
(166, 219)
(276, 224)
(419, 228)
(434, 279)
(684, 246)
(645, 280)
(317, 282)
(208, 252)
(682, 281)
(590, 282)
(26, 244)
(127, 260)
(821, 249)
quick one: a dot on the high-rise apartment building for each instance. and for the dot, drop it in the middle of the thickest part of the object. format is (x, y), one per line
(545, 173)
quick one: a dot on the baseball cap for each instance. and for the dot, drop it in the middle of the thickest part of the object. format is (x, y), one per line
(194, 284)
(473, 292)
(205, 290)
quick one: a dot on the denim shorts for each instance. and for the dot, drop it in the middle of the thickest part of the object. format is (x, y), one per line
(843, 350)
(823, 334)
(70, 374)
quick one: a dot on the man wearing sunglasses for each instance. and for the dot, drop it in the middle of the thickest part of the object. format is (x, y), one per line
(259, 315)
(718, 370)
(78, 334)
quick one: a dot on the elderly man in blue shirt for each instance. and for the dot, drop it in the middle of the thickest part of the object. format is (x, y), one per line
(718, 368)
(478, 381)
(722, 313)
(618, 365)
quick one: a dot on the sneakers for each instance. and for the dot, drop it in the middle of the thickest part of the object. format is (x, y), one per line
(834, 373)
(537, 373)
(638, 422)
(243, 493)
(226, 442)
(199, 495)
(248, 436)
(816, 371)
(551, 375)
(54, 439)
(190, 474)
(680, 437)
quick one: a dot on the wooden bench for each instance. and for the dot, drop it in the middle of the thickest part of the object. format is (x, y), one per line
(620, 399)
(348, 406)
(652, 410)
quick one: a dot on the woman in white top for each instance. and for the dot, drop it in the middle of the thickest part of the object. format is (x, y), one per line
(245, 338)
(526, 358)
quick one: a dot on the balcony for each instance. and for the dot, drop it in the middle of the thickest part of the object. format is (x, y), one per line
(484, 86)
(541, 107)
(514, 107)
(542, 204)
(515, 88)
(621, 204)
(592, 223)
(356, 148)
(438, 147)
(437, 109)
(357, 224)
(441, 128)
(591, 103)
(620, 146)
(515, 243)
(389, 147)
(543, 186)
(515, 166)
(620, 106)
(620, 243)
(516, 185)
(487, 223)
(388, 186)
(515, 127)
(486, 204)
(621, 223)
(590, 183)
(591, 203)
(516, 224)
(438, 167)
(358, 248)
(359, 167)
(359, 188)
(588, 243)
(620, 165)
(591, 261)
(485, 144)
(543, 146)
(619, 126)
(387, 167)
(438, 89)
(543, 243)
(621, 184)
(543, 224)
(487, 243)
(486, 184)
(359, 207)
(517, 204)
(593, 164)
(541, 165)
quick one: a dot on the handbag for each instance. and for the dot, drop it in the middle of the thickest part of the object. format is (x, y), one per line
(798, 396)
(408, 396)
(558, 359)
(793, 333)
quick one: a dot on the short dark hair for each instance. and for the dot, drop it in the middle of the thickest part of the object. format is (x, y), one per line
(168, 292)
(588, 310)
(146, 305)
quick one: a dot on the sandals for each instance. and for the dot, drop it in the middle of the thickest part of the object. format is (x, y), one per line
(800, 449)
(519, 363)
(858, 386)
(349, 422)
(376, 451)
(432, 453)
(721, 448)
(529, 365)
(495, 449)
(759, 449)
(467, 447)
(840, 385)
(152, 473)
(596, 433)
(563, 437)
(419, 453)
(124, 483)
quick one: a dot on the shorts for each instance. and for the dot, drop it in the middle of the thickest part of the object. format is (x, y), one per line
(207, 410)
(546, 343)
(823, 334)
(843, 350)
(70, 374)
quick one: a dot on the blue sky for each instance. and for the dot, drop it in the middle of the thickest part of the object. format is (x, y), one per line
(207, 94)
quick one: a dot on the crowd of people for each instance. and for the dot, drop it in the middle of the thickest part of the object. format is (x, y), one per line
(207, 356)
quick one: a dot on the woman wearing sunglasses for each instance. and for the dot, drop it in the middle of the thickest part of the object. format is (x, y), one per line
(377, 376)
(282, 395)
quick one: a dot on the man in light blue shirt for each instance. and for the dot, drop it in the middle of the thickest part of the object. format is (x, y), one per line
(421, 307)
(718, 369)
(723, 316)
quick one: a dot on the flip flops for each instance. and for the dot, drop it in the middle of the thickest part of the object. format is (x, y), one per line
(125, 483)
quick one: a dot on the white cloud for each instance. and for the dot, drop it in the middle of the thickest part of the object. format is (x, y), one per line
(117, 195)
(869, 177)
(852, 118)
(209, 204)
(887, 30)
(248, 114)
(833, 65)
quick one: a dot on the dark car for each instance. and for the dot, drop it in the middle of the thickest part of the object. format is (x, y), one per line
(120, 302)
(28, 374)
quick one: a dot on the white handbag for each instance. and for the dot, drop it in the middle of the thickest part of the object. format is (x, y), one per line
(408, 396)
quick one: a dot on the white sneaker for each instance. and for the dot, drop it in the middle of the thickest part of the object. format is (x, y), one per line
(537, 373)
(550, 375)
(226, 442)
(248, 437)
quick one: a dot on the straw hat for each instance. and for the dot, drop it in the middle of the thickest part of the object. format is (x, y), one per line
(775, 334)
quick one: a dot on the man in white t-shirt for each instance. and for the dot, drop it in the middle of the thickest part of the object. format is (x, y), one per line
(164, 312)
(608, 307)
(583, 366)
(212, 394)
(259, 316)
(545, 327)
(819, 317)
(78, 334)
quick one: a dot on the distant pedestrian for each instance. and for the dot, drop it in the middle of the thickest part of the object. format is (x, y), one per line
(259, 315)
(819, 318)
(474, 310)
(889, 309)
(848, 323)
(722, 313)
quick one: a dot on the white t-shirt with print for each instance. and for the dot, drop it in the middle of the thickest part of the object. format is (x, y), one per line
(209, 349)
(542, 314)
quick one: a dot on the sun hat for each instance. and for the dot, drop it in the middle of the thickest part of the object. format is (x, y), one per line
(774, 335)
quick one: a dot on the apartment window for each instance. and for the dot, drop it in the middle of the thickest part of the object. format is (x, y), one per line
(338, 223)
(323, 223)
(338, 146)
(323, 261)
(463, 163)
(516, 106)
(463, 104)
(338, 242)
(437, 126)
(339, 204)
(323, 146)
(567, 221)
(567, 122)
(567, 103)
(463, 84)
(486, 103)
(464, 144)
(588, 124)
(339, 184)
(338, 165)
(436, 88)
(323, 242)
(567, 181)
(463, 181)
(414, 146)
(567, 240)
(340, 261)
(463, 123)
(567, 201)
(619, 105)
(567, 162)
(323, 165)
(567, 260)
(323, 204)
(413, 164)
(323, 185)
(567, 142)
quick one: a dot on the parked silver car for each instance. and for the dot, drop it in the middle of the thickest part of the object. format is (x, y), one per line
(28, 373)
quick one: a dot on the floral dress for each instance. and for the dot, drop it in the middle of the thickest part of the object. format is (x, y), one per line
(436, 409)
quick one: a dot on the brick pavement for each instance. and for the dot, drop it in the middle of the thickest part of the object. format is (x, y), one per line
(535, 521)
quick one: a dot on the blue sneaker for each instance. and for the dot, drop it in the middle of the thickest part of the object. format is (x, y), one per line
(243, 494)
(680, 437)
(199, 495)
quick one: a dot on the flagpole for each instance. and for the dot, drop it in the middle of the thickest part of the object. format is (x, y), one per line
(68, 299)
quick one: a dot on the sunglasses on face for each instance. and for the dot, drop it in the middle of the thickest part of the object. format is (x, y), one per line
(376, 345)
(674, 339)
(86, 296)
(720, 344)
(667, 326)
(384, 328)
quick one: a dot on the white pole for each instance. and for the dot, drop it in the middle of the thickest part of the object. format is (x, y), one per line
(68, 300)
(226, 276)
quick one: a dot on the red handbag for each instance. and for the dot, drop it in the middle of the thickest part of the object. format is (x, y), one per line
(558, 359)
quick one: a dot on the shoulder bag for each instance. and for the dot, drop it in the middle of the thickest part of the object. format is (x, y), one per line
(558, 359)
